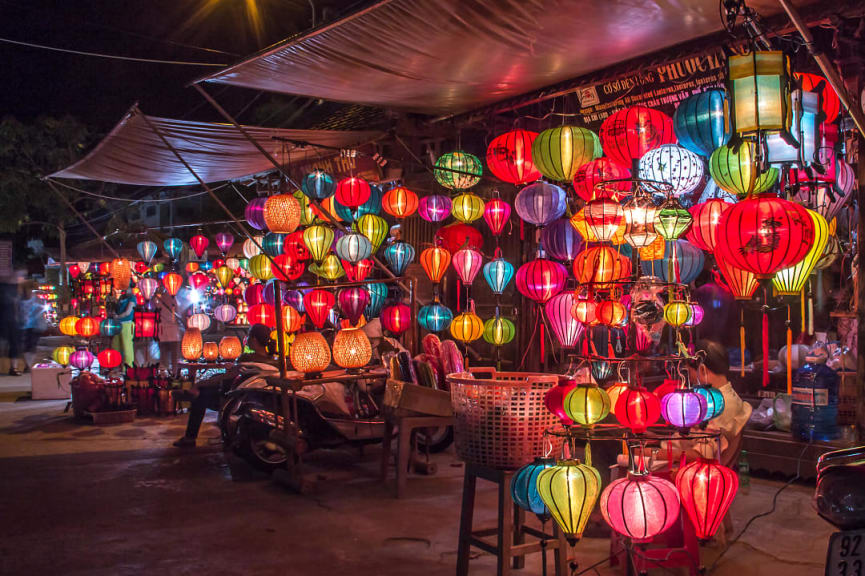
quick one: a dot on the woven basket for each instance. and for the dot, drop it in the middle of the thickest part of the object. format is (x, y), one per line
(500, 416)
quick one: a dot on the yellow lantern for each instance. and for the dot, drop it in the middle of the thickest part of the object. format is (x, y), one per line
(655, 250)
(570, 490)
(790, 281)
(260, 267)
(677, 313)
(375, 229)
(467, 327)
(121, 273)
(351, 349)
(281, 213)
(330, 269)
(310, 353)
(307, 214)
(287, 339)
(613, 392)
(67, 325)
(467, 207)
(210, 351)
(318, 240)
(578, 221)
(61, 354)
(759, 91)
(230, 348)
(224, 275)
(587, 404)
(191, 346)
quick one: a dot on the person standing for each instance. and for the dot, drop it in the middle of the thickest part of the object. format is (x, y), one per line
(33, 324)
(169, 332)
(125, 313)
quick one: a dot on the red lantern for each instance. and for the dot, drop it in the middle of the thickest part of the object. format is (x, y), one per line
(435, 262)
(640, 506)
(611, 313)
(603, 217)
(146, 323)
(109, 358)
(74, 270)
(198, 281)
(254, 294)
(88, 327)
(262, 314)
(509, 157)
(358, 272)
(630, 133)
(140, 267)
(287, 267)
(456, 236)
(496, 213)
(637, 408)
(199, 244)
(764, 234)
(541, 279)
(829, 98)
(597, 171)
(294, 246)
(399, 202)
(703, 232)
(352, 192)
(396, 318)
(707, 490)
(554, 399)
(318, 304)
(105, 268)
(584, 311)
(665, 388)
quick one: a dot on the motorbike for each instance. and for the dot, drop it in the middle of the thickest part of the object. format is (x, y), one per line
(840, 500)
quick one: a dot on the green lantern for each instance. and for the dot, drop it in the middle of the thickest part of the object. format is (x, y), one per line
(318, 240)
(570, 491)
(260, 267)
(759, 88)
(458, 170)
(737, 172)
(307, 214)
(559, 152)
(672, 220)
(375, 229)
(329, 269)
(467, 208)
(499, 331)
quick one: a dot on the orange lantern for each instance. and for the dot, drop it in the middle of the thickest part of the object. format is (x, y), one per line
(88, 327)
(399, 202)
(611, 313)
(351, 349)
(655, 250)
(230, 347)
(192, 267)
(210, 351)
(172, 282)
(192, 344)
(121, 273)
(291, 319)
(435, 262)
(584, 311)
(68, 326)
(282, 213)
(600, 265)
(310, 353)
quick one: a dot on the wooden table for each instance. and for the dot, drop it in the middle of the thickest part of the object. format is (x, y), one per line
(405, 425)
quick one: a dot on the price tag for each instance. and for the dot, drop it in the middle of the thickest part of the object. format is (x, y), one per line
(846, 556)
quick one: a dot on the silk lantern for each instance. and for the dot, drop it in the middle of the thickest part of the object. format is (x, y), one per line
(148, 287)
(260, 267)
(225, 313)
(681, 264)
(173, 247)
(254, 213)
(377, 296)
(499, 331)
(172, 282)
(714, 399)
(352, 192)
(672, 220)
(496, 214)
(224, 241)
(702, 123)
(456, 236)
(541, 279)
(554, 399)
(584, 311)
(458, 170)
(199, 321)
(674, 165)
(109, 358)
(696, 316)
(791, 281)
(467, 326)
(398, 256)
(802, 149)
(309, 353)
(82, 359)
(374, 227)
(587, 404)
(329, 268)
(435, 261)
(359, 271)
(399, 202)
(831, 104)
(570, 491)
(683, 408)
(74, 270)
(353, 247)
(251, 246)
(307, 212)
(467, 264)
(614, 391)
(146, 324)
(601, 178)
(435, 317)
(61, 354)
(351, 349)
(706, 490)
(637, 409)
(640, 506)
(467, 207)
(281, 213)
(559, 152)
(254, 294)
(396, 318)
(541, 203)
(611, 313)
(230, 348)
(273, 244)
(224, 275)
(639, 216)
(262, 314)
(191, 345)
(736, 170)
(759, 91)
(524, 487)
(318, 240)
(317, 304)
(509, 157)
(677, 313)
(600, 265)
(566, 328)
(498, 273)
(742, 283)
(603, 217)
(629, 133)
(352, 302)
(560, 240)
(199, 244)
(705, 217)
(318, 185)
(371, 206)
(121, 273)
(87, 327)
(146, 249)
(434, 208)
(110, 327)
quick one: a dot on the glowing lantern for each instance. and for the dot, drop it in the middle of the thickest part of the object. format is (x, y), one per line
(199, 244)
(434, 208)
(110, 327)
(374, 227)
(637, 409)
(329, 269)
(210, 351)
(696, 316)
(600, 265)
(398, 256)
(224, 275)
(701, 122)
(291, 319)
(351, 349)
(318, 303)
(596, 179)
(680, 168)
(435, 317)
(105, 268)
(458, 170)
(559, 152)
(191, 345)
(467, 263)
(352, 302)
(396, 318)
(541, 203)
(804, 129)
(359, 271)
(310, 353)
(199, 321)
(87, 327)
(353, 247)
(399, 202)
(628, 134)
(614, 391)
(737, 171)
(328, 211)
(584, 311)
(566, 328)
(468, 327)
(318, 240)
(352, 192)
(146, 249)
(435, 261)
(251, 246)
(148, 287)
(683, 408)
(74, 270)
(639, 215)
(640, 506)
(496, 213)
(173, 247)
(172, 282)
(281, 213)
(109, 358)
(467, 207)
(68, 324)
(377, 296)
(790, 281)
(681, 264)
(672, 220)
(230, 347)
(705, 216)
(82, 359)
(759, 91)
(706, 490)
(570, 490)
(587, 404)
(61, 354)
(273, 243)
(498, 273)
(198, 280)
(317, 185)
(765, 234)
(829, 98)
(456, 236)
(611, 313)
(225, 313)
(554, 399)
(224, 241)
(307, 212)
(524, 487)
(146, 324)
(541, 279)
(254, 213)
(121, 273)
(742, 283)
(499, 331)
(509, 157)
(261, 314)
(714, 401)
(603, 217)
(677, 313)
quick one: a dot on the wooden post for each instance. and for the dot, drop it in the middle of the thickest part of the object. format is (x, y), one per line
(860, 290)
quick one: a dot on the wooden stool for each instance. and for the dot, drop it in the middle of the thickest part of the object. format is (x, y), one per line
(406, 425)
(511, 530)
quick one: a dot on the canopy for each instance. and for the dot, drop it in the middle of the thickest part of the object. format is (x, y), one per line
(133, 153)
(449, 56)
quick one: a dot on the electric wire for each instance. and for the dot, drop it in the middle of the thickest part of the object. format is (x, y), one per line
(133, 200)
(109, 56)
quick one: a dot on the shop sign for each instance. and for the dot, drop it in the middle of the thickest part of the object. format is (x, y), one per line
(343, 163)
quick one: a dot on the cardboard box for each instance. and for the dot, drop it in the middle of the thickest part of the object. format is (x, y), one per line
(50, 382)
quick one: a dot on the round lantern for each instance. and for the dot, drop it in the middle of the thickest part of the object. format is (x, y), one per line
(554, 399)
(498, 273)
(640, 506)
(524, 487)
(456, 236)
(603, 172)
(225, 313)
(611, 313)
(560, 240)
(637, 409)
(307, 212)
(359, 271)
(230, 347)
(198, 281)
(458, 170)
(309, 353)
(172, 282)
(600, 265)
(435, 262)
(541, 279)
(329, 211)
(399, 202)
(121, 273)
(434, 208)
(317, 185)
(353, 247)
(329, 268)
(352, 193)
(210, 351)
(680, 168)
(677, 313)
(672, 220)
(398, 256)
(683, 408)
(499, 331)
(559, 152)
(541, 203)
(351, 349)
(281, 213)
(251, 246)
(254, 213)
(628, 134)
(791, 281)
(352, 302)
(737, 172)
(714, 401)
(191, 345)
(396, 318)
(110, 327)
(377, 296)
(82, 359)
(496, 214)
(224, 241)
(705, 216)
(764, 235)
(701, 122)
(292, 321)
(603, 217)
(681, 264)
(467, 263)
(199, 244)
(173, 247)
(261, 314)
(706, 490)
(87, 327)
(318, 240)
(61, 354)
(639, 215)
(435, 317)
(509, 157)
(199, 321)
(318, 303)
(68, 325)
(467, 207)
(587, 404)
(254, 294)
(566, 328)
(467, 327)
(614, 391)
(374, 227)
(109, 358)
(273, 244)
(696, 316)
(224, 275)
(829, 98)
(570, 490)
(146, 249)
(584, 311)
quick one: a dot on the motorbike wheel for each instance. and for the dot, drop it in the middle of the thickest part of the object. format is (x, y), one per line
(436, 439)
(228, 421)
(256, 447)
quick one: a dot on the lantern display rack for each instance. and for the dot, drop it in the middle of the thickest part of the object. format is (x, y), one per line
(618, 432)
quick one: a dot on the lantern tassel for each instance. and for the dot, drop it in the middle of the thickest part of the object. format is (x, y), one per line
(543, 347)
(810, 315)
(802, 311)
(742, 340)
(789, 354)
(765, 346)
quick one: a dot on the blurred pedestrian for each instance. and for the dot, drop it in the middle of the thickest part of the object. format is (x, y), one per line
(31, 312)
(124, 311)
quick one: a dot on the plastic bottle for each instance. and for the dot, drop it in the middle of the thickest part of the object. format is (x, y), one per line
(744, 472)
(815, 402)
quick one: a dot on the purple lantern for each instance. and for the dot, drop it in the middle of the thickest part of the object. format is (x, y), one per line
(270, 290)
(255, 213)
(561, 240)
(467, 263)
(683, 408)
(294, 298)
(541, 279)
(696, 315)
(566, 328)
(225, 313)
(224, 241)
(434, 208)
(541, 203)
(352, 301)
(82, 359)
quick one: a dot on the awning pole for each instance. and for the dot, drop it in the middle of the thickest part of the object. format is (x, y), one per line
(80, 217)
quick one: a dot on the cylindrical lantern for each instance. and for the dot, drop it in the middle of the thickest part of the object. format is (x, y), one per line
(467, 207)
(435, 262)
(353, 247)
(790, 281)
(541, 279)
(398, 256)
(628, 134)
(434, 208)
(735, 169)
(674, 165)
(603, 217)
(399, 202)
(598, 179)
(435, 317)
(282, 213)
(541, 203)
(318, 240)
(309, 353)
(230, 347)
(701, 122)
(318, 303)
(351, 349)
(683, 408)
(191, 345)
(499, 331)
(467, 327)
(509, 157)
(374, 227)
(566, 328)
(458, 170)
(467, 263)
(640, 506)
(637, 409)
(587, 404)
(703, 232)
(570, 490)
(254, 213)
(498, 273)
(706, 489)
(559, 152)
(318, 185)
(759, 91)
(496, 214)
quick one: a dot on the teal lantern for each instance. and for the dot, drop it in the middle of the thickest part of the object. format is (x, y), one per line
(398, 256)
(498, 273)
(110, 327)
(681, 264)
(458, 170)
(702, 123)
(714, 401)
(318, 185)
(499, 331)
(435, 317)
(147, 249)
(173, 247)
(273, 243)
(371, 206)
(377, 296)
(524, 487)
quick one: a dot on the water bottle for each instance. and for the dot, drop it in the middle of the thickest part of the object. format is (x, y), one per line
(815, 402)
(744, 472)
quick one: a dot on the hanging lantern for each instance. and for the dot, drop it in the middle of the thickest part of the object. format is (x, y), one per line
(260, 267)
(307, 212)
(496, 213)
(110, 327)
(611, 313)
(251, 246)
(499, 331)
(273, 244)
(254, 213)
(352, 192)
(467, 327)
(146, 249)
(714, 401)
(281, 214)
(602, 371)
(224, 241)
(696, 316)
(225, 313)
(191, 345)
(600, 265)
(434, 208)
(435, 262)
(224, 275)
(705, 216)
(640, 506)
(559, 152)
(318, 240)
(435, 317)
(458, 170)
(399, 202)
(683, 408)
(328, 211)
(105, 268)
(285, 267)
(374, 227)
(637, 409)
(377, 296)
(358, 272)
(587, 404)
(570, 490)
(614, 391)
(82, 359)
(736, 170)
(396, 318)
(759, 91)
(121, 273)
(172, 282)
(524, 487)
(701, 122)
(74, 270)
(467, 263)
(230, 348)
(566, 328)
(353, 247)
(554, 399)
(830, 254)
(109, 358)
(628, 134)
(509, 157)
(706, 489)
(199, 244)
(674, 165)
(292, 321)
(498, 273)
(198, 280)
(352, 302)
(742, 283)
(467, 207)
(802, 149)
(148, 287)
(639, 214)
(672, 220)
(584, 311)
(351, 349)
(61, 354)
(317, 304)
(765, 234)
(87, 327)
(677, 313)
(398, 256)
(791, 281)
(541, 279)
(541, 203)
(310, 353)
(173, 247)
(317, 185)
(199, 321)
(597, 179)
(261, 314)
(456, 236)
(603, 217)
(682, 262)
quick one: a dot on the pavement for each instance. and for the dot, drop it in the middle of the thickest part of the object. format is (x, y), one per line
(78, 499)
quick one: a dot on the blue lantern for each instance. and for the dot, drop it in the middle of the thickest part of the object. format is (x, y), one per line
(273, 244)
(687, 262)
(561, 240)
(318, 185)
(701, 123)
(601, 371)
(147, 249)
(371, 206)
(541, 203)
(498, 273)
(173, 247)
(377, 296)
(110, 327)
(435, 317)
(524, 487)
(714, 401)
(206, 265)
(398, 256)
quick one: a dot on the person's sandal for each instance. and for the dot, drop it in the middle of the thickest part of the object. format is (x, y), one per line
(184, 442)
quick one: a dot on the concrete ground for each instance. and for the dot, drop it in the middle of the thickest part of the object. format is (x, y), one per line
(79, 499)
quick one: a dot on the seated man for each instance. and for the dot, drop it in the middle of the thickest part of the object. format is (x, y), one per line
(208, 393)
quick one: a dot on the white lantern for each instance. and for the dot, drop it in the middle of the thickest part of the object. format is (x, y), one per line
(674, 165)
(250, 248)
(200, 321)
(806, 107)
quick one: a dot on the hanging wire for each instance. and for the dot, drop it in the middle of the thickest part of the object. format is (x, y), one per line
(108, 56)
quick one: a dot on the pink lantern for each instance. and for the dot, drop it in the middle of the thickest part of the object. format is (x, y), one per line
(541, 279)
(224, 241)
(254, 294)
(148, 287)
(82, 359)
(565, 326)
(496, 213)
(352, 302)
(199, 245)
(467, 263)
(640, 506)
(554, 399)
